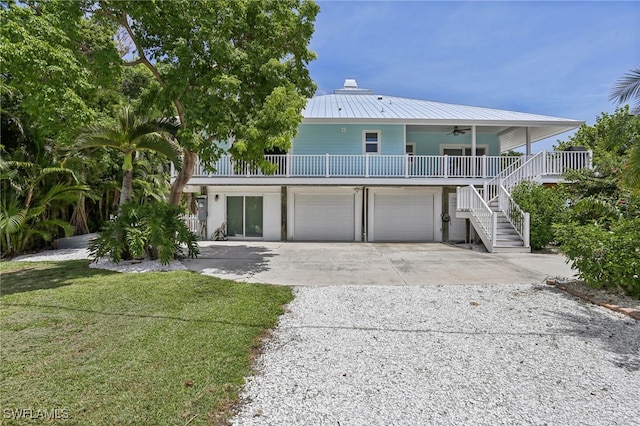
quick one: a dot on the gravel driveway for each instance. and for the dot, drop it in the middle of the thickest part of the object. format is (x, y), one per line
(448, 354)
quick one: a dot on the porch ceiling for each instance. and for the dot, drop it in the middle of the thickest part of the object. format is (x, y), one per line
(511, 136)
(441, 128)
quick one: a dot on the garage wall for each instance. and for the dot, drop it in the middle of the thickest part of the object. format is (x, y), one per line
(404, 214)
(271, 208)
(457, 225)
(324, 214)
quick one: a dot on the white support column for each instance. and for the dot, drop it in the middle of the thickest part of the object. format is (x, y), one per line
(527, 136)
(474, 172)
(326, 165)
(473, 140)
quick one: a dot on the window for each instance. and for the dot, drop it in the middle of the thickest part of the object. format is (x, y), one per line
(410, 149)
(479, 151)
(371, 142)
(452, 151)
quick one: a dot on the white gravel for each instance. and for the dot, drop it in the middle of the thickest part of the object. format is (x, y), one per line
(124, 266)
(54, 255)
(441, 355)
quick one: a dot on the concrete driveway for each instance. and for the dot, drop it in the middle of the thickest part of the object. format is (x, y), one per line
(318, 264)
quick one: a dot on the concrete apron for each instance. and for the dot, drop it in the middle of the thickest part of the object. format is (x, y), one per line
(295, 263)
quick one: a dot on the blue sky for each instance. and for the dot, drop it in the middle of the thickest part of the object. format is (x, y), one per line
(557, 58)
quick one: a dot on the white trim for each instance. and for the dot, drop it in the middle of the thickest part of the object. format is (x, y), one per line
(365, 143)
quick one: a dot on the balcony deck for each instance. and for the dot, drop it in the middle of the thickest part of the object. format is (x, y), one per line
(378, 169)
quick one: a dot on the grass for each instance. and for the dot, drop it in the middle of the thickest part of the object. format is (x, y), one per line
(94, 347)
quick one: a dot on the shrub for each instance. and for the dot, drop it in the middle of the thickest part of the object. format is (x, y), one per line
(153, 230)
(605, 256)
(545, 206)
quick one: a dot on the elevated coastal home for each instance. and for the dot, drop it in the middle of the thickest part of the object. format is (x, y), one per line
(370, 167)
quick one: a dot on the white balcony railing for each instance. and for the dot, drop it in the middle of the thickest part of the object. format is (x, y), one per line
(404, 166)
(388, 166)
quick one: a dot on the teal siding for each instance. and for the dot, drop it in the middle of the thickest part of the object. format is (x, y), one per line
(429, 143)
(320, 139)
(314, 139)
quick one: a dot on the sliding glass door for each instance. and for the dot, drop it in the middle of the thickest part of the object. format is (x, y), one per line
(244, 217)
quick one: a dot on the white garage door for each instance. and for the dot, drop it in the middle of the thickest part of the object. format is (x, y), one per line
(328, 217)
(403, 217)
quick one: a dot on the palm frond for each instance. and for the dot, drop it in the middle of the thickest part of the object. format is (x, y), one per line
(627, 88)
(12, 218)
(62, 192)
(165, 146)
(99, 136)
(165, 129)
(56, 171)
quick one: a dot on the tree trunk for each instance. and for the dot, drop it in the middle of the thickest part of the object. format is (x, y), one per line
(188, 167)
(79, 216)
(127, 186)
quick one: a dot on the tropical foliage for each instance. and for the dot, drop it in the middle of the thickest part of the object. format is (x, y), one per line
(227, 70)
(34, 199)
(545, 206)
(601, 231)
(153, 231)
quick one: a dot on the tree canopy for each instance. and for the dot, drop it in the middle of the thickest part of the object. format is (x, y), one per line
(233, 70)
(229, 70)
(59, 65)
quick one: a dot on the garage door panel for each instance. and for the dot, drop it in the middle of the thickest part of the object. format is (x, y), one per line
(403, 217)
(328, 217)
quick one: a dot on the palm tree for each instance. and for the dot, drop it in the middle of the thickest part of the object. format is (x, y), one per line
(133, 134)
(627, 88)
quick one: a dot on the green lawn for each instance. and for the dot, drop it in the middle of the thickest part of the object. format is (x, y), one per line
(104, 348)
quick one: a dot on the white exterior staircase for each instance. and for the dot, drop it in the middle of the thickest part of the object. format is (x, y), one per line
(496, 217)
(507, 238)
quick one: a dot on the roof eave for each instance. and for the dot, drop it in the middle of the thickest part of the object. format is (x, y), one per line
(569, 124)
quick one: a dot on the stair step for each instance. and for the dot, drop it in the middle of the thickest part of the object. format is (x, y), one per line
(506, 243)
(515, 240)
(500, 249)
(507, 233)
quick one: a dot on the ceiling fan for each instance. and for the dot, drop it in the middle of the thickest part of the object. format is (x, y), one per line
(457, 131)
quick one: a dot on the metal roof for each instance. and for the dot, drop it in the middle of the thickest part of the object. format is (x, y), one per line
(359, 107)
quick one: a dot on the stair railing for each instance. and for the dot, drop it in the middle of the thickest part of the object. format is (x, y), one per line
(484, 220)
(490, 188)
(531, 169)
(518, 218)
